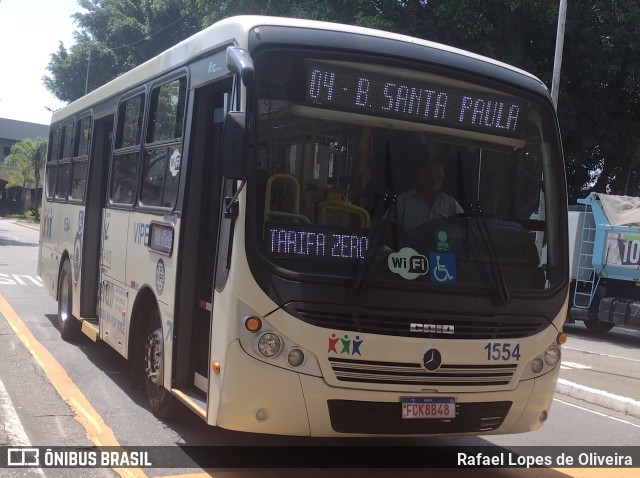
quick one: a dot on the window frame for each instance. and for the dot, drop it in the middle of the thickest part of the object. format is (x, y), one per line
(52, 164)
(119, 151)
(80, 159)
(64, 163)
(151, 146)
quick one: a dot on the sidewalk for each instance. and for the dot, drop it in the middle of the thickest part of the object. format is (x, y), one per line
(601, 398)
(31, 225)
(607, 381)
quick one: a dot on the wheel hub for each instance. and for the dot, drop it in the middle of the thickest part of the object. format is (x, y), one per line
(154, 350)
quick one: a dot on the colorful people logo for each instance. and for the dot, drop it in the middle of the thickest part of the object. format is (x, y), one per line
(348, 346)
(47, 223)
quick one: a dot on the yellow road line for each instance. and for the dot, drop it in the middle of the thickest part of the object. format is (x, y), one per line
(599, 472)
(192, 475)
(97, 430)
(421, 473)
(101, 435)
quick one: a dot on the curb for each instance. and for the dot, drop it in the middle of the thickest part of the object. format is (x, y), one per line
(28, 225)
(625, 405)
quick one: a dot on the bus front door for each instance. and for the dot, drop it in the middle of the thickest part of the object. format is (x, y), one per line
(203, 197)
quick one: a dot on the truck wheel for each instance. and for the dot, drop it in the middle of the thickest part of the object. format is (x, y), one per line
(68, 325)
(161, 401)
(598, 327)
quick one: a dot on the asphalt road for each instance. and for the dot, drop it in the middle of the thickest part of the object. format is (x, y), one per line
(41, 404)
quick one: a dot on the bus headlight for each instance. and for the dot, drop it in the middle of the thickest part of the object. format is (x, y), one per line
(536, 365)
(543, 363)
(269, 345)
(552, 355)
(262, 341)
(295, 357)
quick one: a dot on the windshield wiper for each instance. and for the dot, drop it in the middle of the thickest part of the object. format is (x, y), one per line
(363, 272)
(502, 288)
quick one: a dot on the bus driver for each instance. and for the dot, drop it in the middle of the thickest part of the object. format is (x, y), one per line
(426, 202)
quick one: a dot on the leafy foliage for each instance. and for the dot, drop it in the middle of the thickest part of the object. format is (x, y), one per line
(599, 110)
(599, 91)
(25, 162)
(25, 158)
(115, 36)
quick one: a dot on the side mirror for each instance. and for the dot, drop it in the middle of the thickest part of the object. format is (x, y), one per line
(238, 145)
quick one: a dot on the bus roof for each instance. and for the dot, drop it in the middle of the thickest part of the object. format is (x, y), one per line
(236, 30)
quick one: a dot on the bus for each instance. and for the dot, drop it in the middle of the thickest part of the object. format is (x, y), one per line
(226, 216)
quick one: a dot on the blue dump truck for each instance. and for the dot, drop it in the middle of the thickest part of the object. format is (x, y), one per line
(604, 235)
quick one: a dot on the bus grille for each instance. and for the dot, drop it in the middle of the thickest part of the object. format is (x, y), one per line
(398, 322)
(397, 373)
(349, 416)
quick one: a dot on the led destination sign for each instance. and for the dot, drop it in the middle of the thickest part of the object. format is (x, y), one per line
(296, 242)
(413, 100)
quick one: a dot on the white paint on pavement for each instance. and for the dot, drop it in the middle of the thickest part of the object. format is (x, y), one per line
(602, 398)
(600, 354)
(567, 365)
(20, 279)
(626, 422)
(15, 435)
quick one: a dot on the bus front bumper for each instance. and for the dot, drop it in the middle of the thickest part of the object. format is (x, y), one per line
(261, 398)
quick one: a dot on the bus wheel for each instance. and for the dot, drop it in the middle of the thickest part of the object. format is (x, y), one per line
(160, 399)
(598, 327)
(69, 326)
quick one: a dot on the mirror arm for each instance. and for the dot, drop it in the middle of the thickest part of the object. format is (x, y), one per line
(231, 203)
(240, 62)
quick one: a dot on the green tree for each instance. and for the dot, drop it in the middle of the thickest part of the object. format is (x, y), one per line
(518, 32)
(24, 164)
(115, 36)
(599, 90)
(382, 14)
(599, 96)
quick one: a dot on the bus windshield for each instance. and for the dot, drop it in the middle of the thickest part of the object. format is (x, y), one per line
(423, 178)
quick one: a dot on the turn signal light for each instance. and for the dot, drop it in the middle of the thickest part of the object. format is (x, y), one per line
(253, 324)
(561, 338)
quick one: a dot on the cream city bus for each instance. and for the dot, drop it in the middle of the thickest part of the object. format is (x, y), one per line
(243, 218)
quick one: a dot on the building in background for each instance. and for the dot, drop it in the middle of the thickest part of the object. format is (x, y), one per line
(12, 131)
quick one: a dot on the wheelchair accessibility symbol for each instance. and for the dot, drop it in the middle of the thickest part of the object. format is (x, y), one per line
(443, 267)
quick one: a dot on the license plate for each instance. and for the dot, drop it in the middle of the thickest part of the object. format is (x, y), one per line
(428, 407)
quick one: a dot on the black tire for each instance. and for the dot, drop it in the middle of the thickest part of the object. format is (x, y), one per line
(68, 325)
(137, 374)
(161, 402)
(598, 327)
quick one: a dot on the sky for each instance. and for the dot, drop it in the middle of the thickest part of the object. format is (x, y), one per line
(30, 31)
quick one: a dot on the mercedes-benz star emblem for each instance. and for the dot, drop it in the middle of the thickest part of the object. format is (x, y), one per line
(432, 360)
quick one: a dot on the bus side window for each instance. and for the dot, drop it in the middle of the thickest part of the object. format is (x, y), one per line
(163, 150)
(52, 163)
(126, 154)
(125, 177)
(62, 186)
(80, 162)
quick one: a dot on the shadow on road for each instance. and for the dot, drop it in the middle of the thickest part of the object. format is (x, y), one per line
(619, 336)
(253, 455)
